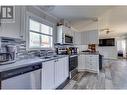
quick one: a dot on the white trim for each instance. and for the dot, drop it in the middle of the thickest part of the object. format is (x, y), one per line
(56, 18)
(41, 20)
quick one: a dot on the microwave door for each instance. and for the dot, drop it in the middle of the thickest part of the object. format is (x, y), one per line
(68, 39)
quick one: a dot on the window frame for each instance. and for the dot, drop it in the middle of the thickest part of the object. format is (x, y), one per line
(41, 21)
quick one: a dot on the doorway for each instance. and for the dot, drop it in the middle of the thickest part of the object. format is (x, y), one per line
(121, 48)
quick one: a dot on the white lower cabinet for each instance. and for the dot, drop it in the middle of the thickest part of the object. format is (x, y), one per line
(66, 67)
(58, 72)
(54, 73)
(88, 63)
(48, 75)
(61, 70)
(81, 62)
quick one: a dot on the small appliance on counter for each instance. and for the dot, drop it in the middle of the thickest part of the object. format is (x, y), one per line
(61, 51)
(67, 50)
(92, 47)
(73, 50)
(7, 54)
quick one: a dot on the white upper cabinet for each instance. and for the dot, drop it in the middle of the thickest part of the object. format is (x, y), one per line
(77, 38)
(60, 34)
(90, 37)
(61, 70)
(64, 30)
(48, 75)
(93, 37)
(61, 31)
(84, 38)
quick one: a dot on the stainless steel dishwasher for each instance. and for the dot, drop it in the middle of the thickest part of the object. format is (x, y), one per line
(28, 77)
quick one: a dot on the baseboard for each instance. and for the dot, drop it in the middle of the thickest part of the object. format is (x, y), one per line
(63, 84)
(86, 70)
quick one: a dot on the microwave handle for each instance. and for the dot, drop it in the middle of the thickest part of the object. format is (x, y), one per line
(63, 38)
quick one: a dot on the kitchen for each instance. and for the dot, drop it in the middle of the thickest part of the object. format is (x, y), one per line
(39, 50)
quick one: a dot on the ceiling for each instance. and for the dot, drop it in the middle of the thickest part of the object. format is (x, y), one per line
(72, 13)
(84, 18)
(78, 16)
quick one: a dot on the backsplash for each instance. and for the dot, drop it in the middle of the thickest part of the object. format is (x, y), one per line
(18, 43)
(82, 47)
(21, 45)
(22, 53)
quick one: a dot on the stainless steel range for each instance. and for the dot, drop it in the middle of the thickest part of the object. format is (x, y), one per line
(73, 63)
(73, 58)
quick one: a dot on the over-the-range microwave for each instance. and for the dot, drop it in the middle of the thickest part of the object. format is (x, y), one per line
(67, 39)
(64, 38)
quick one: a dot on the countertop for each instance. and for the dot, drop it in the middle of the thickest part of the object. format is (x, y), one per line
(89, 53)
(26, 62)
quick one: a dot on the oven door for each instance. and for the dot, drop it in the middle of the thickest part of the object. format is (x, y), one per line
(73, 62)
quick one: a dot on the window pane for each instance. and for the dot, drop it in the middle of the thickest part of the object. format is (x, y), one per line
(34, 40)
(46, 41)
(46, 29)
(35, 26)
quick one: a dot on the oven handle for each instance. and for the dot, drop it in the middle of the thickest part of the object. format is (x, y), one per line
(73, 56)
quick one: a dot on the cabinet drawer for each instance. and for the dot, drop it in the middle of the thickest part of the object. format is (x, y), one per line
(94, 56)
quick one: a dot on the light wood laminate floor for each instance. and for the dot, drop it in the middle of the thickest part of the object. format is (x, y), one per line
(112, 76)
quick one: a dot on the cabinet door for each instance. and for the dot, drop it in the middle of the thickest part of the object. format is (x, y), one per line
(84, 38)
(87, 61)
(58, 72)
(77, 38)
(92, 62)
(95, 63)
(93, 37)
(66, 67)
(81, 62)
(90, 37)
(48, 75)
(59, 34)
(61, 70)
(66, 30)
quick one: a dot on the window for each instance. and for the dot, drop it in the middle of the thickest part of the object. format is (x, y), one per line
(40, 35)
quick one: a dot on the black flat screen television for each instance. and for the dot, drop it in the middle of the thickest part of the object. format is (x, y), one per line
(107, 42)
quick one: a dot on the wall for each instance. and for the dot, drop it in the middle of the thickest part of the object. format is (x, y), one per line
(18, 29)
(116, 20)
(12, 29)
(40, 13)
(113, 18)
(82, 47)
(109, 52)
